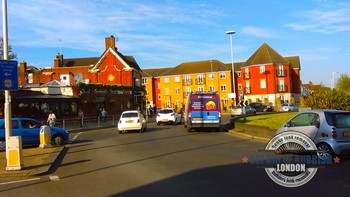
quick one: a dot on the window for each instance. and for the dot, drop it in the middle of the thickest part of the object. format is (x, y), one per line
(188, 90)
(211, 76)
(212, 88)
(144, 81)
(262, 83)
(166, 79)
(222, 75)
(159, 86)
(262, 68)
(305, 119)
(177, 90)
(78, 78)
(223, 88)
(65, 79)
(159, 97)
(239, 74)
(187, 80)
(239, 86)
(177, 79)
(200, 89)
(166, 91)
(200, 79)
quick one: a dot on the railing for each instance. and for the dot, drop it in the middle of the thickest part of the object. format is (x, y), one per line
(281, 73)
(187, 82)
(282, 88)
(247, 90)
(247, 75)
(86, 123)
(200, 81)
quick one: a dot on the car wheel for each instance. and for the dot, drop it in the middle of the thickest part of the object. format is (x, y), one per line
(2, 145)
(324, 151)
(57, 140)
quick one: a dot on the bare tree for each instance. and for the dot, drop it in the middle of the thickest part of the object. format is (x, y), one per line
(11, 54)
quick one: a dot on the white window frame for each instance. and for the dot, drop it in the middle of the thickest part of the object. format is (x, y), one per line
(223, 88)
(212, 88)
(177, 79)
(262, 68)
(200, 89)
(263, 83)
(166, 79)
(222, 75)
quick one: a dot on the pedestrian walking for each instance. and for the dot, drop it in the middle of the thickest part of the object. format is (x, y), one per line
(51, 119)
(81, 117)
(104, 114)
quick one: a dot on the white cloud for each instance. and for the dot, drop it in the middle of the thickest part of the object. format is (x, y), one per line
(259, 32)
(325, 21)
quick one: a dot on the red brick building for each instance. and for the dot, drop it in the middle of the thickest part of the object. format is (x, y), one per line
(111, 81)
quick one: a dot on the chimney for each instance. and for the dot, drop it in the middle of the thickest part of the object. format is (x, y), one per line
(58, 62)
(22, 75)
(110, 42)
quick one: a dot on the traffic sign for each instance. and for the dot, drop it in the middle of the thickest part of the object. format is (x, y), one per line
(8, 75)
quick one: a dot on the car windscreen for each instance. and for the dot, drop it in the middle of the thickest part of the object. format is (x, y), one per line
(130, 115)
(166, 111)
(204, 102)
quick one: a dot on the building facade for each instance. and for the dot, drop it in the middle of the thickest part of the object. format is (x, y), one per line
(265, 77)
(111, 81)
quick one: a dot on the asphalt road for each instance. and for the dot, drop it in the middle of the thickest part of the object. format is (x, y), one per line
(168, 161)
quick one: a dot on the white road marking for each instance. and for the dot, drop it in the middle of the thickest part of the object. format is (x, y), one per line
(26, 180)
(54, 178)
(76, 137)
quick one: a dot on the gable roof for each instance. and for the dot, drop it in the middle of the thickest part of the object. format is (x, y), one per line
(198, 67)
(294, 61)
(265, 54)
(155, 72)
(76, 62)
(53, 83)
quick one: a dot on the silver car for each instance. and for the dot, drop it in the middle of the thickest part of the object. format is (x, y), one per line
(329, 130)
(238, 111)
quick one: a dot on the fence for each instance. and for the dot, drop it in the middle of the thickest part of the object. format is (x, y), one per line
(86, 123)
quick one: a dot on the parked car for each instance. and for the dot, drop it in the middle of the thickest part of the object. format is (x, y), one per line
(132, 120)
(268, 108)
(259, 107)
(289, 107)
(29, 130)
(329, 130)
(168, 116)
(238, 111)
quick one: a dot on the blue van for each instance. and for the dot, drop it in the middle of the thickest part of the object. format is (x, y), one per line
(202, 109)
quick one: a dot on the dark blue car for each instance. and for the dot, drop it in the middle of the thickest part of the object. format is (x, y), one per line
(29, 129)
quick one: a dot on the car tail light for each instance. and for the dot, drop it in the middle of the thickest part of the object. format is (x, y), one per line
(138, 120)
(334, 132)
(120, 121)
(172, 114)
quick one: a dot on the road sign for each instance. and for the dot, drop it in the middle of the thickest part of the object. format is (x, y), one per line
(8, 75)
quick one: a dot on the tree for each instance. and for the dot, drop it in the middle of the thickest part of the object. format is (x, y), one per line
(325, 98)
(344, 84)
(11, 55)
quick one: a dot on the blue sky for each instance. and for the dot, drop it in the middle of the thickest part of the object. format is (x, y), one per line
(165, 33)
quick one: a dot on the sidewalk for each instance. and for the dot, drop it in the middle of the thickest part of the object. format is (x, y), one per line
(36, 161)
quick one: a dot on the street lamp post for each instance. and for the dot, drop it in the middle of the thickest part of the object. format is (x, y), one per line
(230, 33)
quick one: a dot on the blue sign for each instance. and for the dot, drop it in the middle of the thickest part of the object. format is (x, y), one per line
(8, 75)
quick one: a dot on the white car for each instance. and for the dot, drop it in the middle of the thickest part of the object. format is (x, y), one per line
(168, 116)
(132, 120)
(289, 107)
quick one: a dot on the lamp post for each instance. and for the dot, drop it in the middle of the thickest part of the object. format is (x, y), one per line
(230, 33)
(333, 80)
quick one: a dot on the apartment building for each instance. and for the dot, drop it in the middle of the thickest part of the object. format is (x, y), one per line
(265, 77)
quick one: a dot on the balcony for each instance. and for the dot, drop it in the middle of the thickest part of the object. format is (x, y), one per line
(247, 90)
(200, 81)
(282, 88)
(246, 75)
(187, 82)
(281, 73)
(185, 94)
